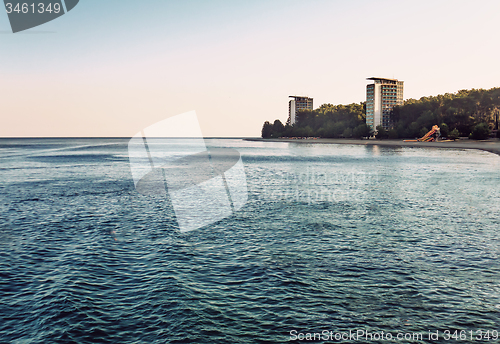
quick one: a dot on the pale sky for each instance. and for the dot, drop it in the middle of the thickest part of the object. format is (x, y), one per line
(113, 67)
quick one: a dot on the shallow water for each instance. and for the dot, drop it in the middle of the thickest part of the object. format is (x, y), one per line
(333, 237)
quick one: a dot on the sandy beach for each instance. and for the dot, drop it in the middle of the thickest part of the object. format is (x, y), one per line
(491, 145)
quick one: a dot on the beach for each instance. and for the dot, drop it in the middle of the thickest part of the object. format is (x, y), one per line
(491, 145)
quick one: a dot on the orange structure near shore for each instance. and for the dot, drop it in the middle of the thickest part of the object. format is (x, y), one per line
(432, 135)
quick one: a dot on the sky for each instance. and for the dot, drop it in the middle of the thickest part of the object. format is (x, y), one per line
(111, 68)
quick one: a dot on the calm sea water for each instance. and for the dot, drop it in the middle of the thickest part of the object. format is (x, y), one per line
(333, 237)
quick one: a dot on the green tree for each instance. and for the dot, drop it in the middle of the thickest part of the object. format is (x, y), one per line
(361, 131)
(288, 130)
(381, 133)
(444, 129)
(347, 133)
(480, 132)
(267, 130)
(278, 128)
(413, 130)
(392, 134)
(454, 134)
(423, 131)
(308, 132)
(462, 110)
(298, 131)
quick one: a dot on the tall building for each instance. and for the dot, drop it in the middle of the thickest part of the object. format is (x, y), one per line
(381, 97)
(296, 104)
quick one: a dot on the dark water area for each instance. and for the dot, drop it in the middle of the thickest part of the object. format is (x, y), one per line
(332, 238)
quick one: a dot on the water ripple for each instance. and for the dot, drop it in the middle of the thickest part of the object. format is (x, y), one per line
(84, 258)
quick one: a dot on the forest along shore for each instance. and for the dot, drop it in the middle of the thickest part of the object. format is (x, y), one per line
(491, 145)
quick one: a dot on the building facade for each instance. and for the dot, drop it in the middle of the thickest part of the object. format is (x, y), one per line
(381, 97)
(296, 104)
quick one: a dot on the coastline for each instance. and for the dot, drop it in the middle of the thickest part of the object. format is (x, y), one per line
(491, 145)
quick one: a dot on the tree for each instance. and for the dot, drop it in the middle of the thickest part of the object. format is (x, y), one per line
(347, 133)
(361, 131)
(393, 134)
(381, 133)
(308, 132)
(444, 129)
(480, 132)
(462, 110)
(412, 130)
(267, 130)
(454, 134)
(423, 132)
(288, 132)
(278, 128)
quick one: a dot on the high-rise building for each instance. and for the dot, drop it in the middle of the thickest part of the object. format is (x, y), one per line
(381, 97)
(296, 104)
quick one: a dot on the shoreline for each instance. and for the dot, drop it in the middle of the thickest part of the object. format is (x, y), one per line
(491, 145)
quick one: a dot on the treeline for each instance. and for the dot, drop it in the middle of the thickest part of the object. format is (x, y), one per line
(471, 113)
(332, 121)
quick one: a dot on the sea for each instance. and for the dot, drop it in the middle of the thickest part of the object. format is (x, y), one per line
(335, 243)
